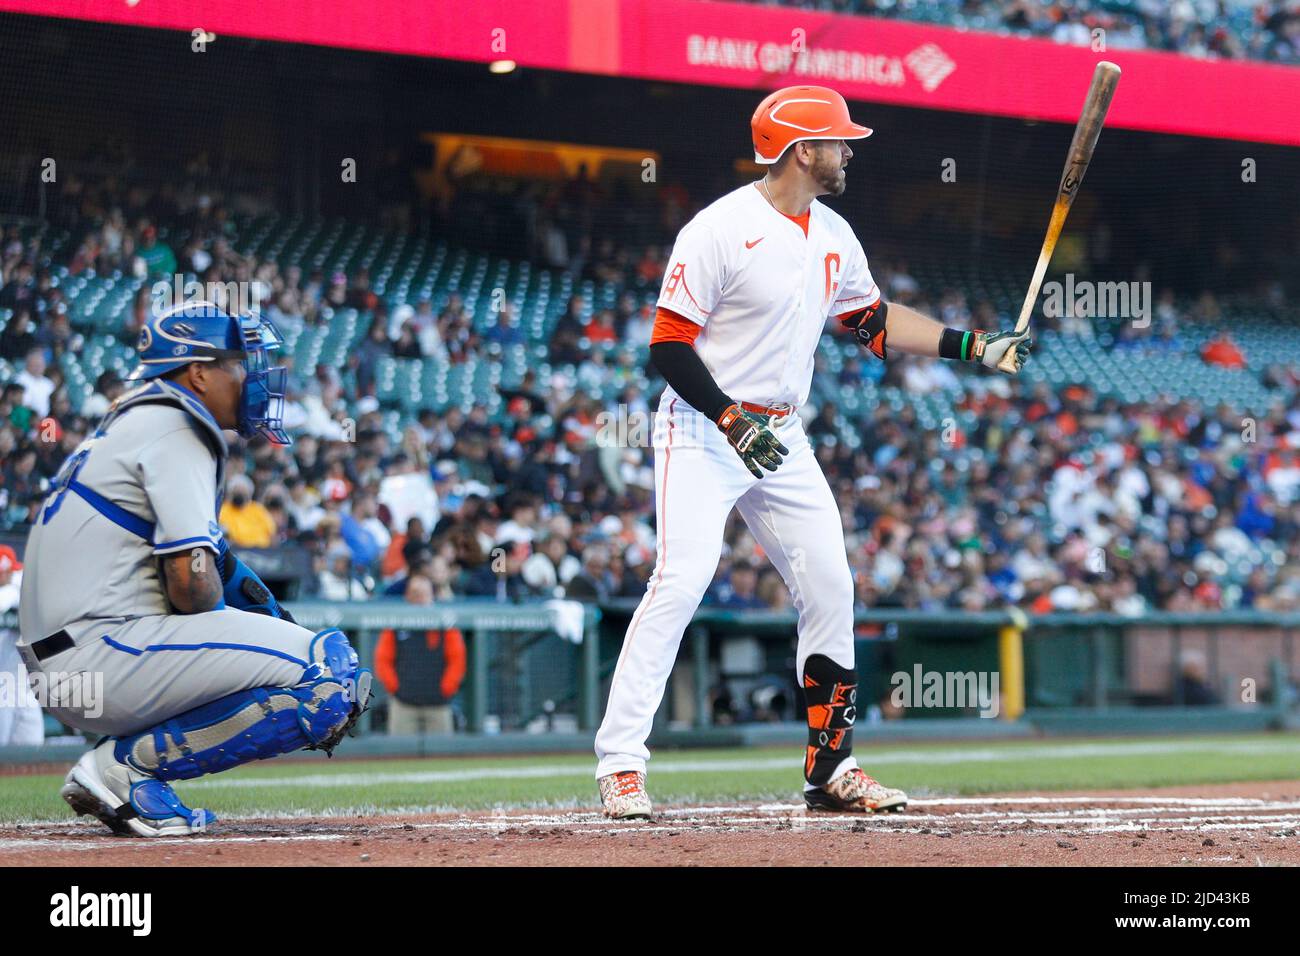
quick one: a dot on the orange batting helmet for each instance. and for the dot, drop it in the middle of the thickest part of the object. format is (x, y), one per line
(800, 113)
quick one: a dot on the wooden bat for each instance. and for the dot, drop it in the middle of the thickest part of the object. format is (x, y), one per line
(1104, 80)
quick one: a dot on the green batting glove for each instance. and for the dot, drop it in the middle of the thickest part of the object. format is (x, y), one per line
(753, 440)
(987, 348)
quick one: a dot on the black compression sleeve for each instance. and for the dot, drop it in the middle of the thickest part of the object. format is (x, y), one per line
(683, 369)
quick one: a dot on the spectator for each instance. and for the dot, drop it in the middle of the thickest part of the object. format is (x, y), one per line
(419, 562)
(155, 259)
(478, 575)
(1194, 29)
(304, 507)
(639, 328)
(20, 486)
(368, 355)
(823, 427)
(1193, 689)
(601, 328)
(740, 590)
(427, 331)
(360, 296)
(21, 721)
(19, 293)
(366, 536)
(550, 568)
(407, 345)
(772, 592)
(108, 388)
(37, 387)
(18, 338)
(422, 671)
(57, 336)
(396, 557)
(408, 493)
(521, 524)
(14, 412)
(440, 575)
(247, 523)
(504, 332)
(594, 582)
(1223, 351)
(336, 581)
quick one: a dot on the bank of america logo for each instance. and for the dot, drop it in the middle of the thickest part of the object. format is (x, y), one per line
(930, 65)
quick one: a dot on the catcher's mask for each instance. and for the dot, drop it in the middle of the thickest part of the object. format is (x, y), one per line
(202, 332)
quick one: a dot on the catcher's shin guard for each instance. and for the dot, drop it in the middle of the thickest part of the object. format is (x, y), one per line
(831, 693)
(263, 722)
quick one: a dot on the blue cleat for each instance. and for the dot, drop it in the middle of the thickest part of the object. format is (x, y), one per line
(128, 801)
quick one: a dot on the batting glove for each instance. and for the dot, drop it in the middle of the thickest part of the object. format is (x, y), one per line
(753, 440)
(989, 347)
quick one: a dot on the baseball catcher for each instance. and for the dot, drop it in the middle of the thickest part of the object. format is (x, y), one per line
(129, 578)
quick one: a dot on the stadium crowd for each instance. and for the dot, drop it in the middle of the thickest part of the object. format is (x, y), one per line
(1056, 501)
(1225, 29)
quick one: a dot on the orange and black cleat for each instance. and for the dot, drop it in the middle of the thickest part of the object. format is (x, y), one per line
(855, 792)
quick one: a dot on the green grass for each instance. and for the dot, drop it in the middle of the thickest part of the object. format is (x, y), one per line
(316, 786)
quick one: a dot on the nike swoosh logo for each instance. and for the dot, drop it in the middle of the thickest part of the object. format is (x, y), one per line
(751, 245)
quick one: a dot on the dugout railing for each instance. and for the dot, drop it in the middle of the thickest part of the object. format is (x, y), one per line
(1057, 672)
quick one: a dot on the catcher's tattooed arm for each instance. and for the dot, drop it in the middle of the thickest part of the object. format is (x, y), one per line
(896, 326)
(191, 580)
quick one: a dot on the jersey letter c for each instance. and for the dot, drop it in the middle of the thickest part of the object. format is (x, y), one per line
(832, 276)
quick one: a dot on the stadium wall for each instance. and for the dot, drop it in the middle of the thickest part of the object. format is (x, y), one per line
(1086, 673)
(722, 44)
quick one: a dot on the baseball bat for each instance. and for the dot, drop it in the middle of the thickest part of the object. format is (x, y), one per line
(1104, 80)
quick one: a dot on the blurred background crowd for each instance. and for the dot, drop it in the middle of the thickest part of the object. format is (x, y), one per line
(1054, 499)
(1225, 29)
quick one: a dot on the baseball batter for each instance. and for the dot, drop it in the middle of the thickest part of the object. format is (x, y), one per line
(750, 285)
(128, 580)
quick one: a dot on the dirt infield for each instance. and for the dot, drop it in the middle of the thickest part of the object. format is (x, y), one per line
(1233, 824)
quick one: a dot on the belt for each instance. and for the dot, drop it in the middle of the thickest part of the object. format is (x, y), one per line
(54, 644)
(772, 411)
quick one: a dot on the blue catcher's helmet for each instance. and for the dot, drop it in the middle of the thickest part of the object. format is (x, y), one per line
(202, 332)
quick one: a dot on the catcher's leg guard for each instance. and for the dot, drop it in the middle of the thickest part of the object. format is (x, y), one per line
(831, 693)
(258, 723)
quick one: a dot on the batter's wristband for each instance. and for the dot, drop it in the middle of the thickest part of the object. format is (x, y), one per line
(728, 416)
(957, 344)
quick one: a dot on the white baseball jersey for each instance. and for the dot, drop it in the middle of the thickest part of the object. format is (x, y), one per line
(762, 291)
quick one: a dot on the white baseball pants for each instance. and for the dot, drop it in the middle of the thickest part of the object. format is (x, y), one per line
(792, 514)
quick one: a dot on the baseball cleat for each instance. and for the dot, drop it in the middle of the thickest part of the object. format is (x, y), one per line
(623, 795)
(855, 792)
(128, 801)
